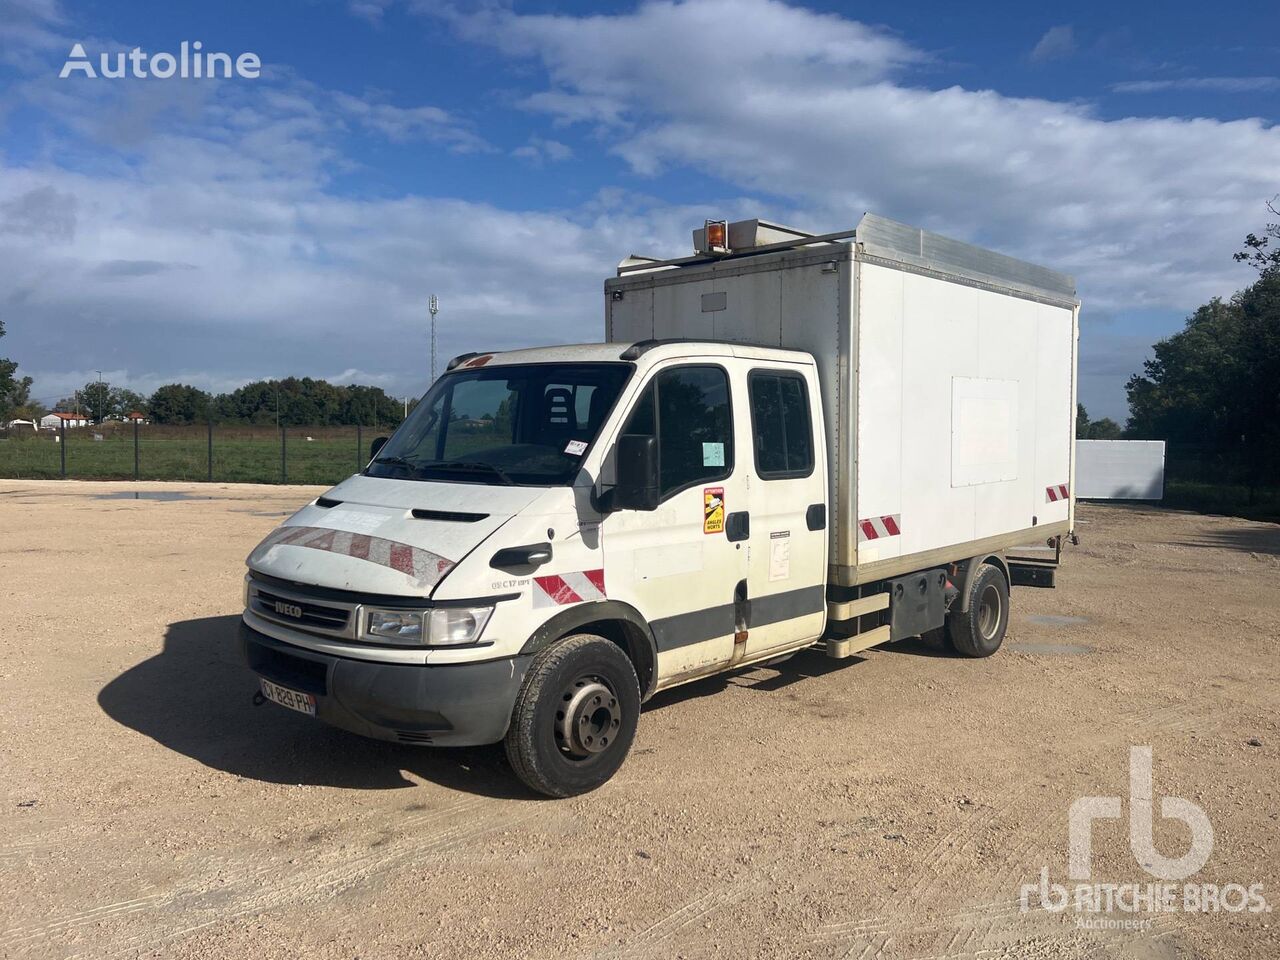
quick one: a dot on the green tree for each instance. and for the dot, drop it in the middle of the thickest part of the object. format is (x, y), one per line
(1104, 429)
(125, 401)
(15, 391)
(1086, 429)
(1216, 383)
(94, 399)
(178, 403)
(1258, 250)
(308, 402)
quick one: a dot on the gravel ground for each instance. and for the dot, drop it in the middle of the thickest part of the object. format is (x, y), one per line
(887, 806)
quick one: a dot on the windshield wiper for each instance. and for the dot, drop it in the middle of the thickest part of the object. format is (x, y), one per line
(396, 462)
(469, 466)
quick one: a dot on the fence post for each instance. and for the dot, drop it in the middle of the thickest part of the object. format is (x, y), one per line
(359, 447)
(284, 459)
(62, 442)
(211, 450)
(136, 470)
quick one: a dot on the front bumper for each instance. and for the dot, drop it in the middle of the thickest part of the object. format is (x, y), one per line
(461, 704)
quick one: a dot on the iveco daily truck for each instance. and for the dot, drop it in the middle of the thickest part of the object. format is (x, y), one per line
(786, 440)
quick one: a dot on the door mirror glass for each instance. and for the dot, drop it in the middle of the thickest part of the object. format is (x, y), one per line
(378, 444)
(637, 466)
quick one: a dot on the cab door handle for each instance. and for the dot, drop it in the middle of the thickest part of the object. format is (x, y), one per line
(737, 526)
(815, 518)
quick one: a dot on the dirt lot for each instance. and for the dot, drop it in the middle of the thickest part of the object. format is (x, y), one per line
(888, 806)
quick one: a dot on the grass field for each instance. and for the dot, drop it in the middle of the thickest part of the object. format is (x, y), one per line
(240, 454)
(1223, 499)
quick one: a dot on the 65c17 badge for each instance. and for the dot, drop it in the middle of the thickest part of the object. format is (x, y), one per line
(713, 509)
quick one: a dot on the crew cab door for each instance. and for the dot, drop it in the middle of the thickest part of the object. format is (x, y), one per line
(682, 565)
(787, 500)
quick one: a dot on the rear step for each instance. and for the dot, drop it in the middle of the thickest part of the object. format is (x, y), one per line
(838, 648)
(844, 638)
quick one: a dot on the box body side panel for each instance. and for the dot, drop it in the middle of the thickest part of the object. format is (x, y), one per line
(964, 416)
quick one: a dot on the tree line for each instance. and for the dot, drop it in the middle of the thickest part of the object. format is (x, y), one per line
(293, 401)
(1214, 386)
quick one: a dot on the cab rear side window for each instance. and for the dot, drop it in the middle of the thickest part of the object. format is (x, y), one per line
(781, 426)
(689, 410)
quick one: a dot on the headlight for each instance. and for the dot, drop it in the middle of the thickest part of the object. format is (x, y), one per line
(394, 626)
(450, 626)
(439, 627)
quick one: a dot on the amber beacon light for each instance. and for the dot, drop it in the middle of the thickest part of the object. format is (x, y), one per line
(717, 236)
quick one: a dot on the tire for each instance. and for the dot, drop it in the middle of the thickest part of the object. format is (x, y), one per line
(575, 716)
(979, 631)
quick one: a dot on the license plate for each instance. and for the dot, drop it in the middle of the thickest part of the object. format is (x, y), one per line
(302, 702)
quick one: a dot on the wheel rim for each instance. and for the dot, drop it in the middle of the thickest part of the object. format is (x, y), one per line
(989, 612)
(589, 718)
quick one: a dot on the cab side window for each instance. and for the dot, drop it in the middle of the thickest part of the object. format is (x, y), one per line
(688, 410)
(781, 424)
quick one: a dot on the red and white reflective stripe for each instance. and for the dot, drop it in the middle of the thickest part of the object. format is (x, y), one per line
(562, 588)
(1055, 493)
(876, 528)
(426, 568)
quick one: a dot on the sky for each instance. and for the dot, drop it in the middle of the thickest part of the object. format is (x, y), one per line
(506, 157)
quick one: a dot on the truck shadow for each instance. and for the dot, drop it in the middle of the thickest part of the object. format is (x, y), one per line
(195, 697)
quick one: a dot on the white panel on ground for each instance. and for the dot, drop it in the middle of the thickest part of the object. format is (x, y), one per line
(1120, 469)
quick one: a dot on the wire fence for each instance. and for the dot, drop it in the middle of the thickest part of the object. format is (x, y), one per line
(227, 453)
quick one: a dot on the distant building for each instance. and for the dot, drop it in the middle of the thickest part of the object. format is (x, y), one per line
(53, 421)
(137, 417)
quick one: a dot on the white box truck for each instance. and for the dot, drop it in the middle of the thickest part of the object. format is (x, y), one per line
(787, 440)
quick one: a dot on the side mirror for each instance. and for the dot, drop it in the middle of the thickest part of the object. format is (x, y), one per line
(378, 444)
(637, 467)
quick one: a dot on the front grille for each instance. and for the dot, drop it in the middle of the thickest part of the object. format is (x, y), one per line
(413, 736)
(297, 612)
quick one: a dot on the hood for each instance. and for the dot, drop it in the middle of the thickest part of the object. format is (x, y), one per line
(378, 535)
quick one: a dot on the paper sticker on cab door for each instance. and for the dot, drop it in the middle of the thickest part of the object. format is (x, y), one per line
(713, 509)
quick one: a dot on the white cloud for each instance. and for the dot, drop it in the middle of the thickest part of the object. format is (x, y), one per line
(371, 10)
(218, 281)
(1057, 43)
(813, 111)
(401, 124)
(693, 54)
(1207, 84)
(540, 150)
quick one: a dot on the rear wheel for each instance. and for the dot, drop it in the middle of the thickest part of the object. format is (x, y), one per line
(979, 630)
(575, 716)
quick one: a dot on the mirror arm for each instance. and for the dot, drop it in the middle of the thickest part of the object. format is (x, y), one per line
(602, 500)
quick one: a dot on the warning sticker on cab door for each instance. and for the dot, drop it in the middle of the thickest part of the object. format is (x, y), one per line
(713, 509)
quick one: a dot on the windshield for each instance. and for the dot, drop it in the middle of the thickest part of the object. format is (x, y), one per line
(527, 425)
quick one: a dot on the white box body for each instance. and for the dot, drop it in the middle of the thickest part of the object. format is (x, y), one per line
(948, 380)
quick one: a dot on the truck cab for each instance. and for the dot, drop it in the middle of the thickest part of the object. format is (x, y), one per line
(660, 507)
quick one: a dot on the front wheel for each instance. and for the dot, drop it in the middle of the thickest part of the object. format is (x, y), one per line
(574, 717)
(979, 631)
